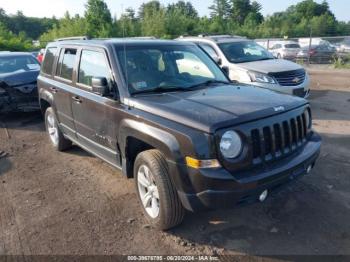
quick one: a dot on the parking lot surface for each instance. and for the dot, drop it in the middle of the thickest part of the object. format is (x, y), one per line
(74, 204)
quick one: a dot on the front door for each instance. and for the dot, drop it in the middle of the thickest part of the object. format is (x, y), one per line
(94, 115)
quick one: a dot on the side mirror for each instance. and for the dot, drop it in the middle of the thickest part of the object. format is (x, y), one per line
(217, 60)
(226, 71)
(100, 86)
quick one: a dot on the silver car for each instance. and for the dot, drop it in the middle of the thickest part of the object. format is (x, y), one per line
(247, 62)
(345, 46)
(286, 50)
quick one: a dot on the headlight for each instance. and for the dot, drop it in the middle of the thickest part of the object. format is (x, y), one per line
(261, 78)
(230, 144)
(308, 119)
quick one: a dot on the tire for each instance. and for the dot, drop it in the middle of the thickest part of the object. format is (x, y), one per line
(279, 56)
(56, 137)
(170, 210)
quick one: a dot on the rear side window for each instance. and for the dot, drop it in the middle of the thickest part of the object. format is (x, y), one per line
(49, 60)
(92, 64)
(66, 63)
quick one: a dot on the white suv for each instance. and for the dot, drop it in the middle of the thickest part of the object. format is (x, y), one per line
(286, 50)
(247, 62)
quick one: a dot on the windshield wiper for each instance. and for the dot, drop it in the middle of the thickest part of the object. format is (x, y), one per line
(161, 89)
(210, 82)
(265, 58)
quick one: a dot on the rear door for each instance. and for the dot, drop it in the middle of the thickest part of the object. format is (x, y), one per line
(62, 89)
(95, 117)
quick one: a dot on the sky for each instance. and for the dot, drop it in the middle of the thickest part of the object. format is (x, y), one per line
(48, 8)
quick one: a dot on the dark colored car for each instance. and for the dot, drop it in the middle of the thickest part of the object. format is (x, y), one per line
(165, 114)
(18, 82)
(318, 54)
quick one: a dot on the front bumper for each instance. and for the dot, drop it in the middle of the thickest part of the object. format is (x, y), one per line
(291, 90)
(217, 188)
(24, 103)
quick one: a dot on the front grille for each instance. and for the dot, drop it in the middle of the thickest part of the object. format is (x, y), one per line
(279, 139)
(290, 78)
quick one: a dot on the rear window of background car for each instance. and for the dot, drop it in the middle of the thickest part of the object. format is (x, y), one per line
(66, 64)
(292, 46)
(49, 59)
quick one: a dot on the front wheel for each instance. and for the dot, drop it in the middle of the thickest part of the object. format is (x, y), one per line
(56, 137)
(156, 191)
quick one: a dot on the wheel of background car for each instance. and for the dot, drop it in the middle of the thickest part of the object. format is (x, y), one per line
(279, 56)
(157, 194)
(56, 137)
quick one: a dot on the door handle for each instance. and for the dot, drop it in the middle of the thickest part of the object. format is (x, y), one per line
(54, 90)
(77, 99)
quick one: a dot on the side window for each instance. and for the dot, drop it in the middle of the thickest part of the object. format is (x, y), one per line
(66, 63)
(48, 61)
(92, 64)
(209, 50)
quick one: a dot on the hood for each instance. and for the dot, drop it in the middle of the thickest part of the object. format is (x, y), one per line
(19, 78)
(270, 66)
(216, 107)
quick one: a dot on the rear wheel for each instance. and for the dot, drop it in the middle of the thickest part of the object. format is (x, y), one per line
(56, 137)
(157, 194)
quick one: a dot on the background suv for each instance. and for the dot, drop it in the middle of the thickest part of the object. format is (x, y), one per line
(247, 62)
(286, 50)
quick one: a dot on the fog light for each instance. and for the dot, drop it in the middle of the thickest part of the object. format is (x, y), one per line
(308, 170)
(263, 196)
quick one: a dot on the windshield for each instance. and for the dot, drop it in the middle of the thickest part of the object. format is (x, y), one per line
(292, 46)
(167, 68)
(247, 51)
(12, 64)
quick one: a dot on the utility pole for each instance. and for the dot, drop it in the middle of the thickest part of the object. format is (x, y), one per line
(310, 43)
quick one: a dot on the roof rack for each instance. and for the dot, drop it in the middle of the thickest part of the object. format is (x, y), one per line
(131, 37)
(72, 38)
(141, 37)
(214, 37)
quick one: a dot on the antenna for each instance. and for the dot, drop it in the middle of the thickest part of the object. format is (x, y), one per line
(125, 61)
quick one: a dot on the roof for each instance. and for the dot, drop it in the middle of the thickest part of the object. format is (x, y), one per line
(215, 38)
(289, 42)
(117, 41)
(11, 54)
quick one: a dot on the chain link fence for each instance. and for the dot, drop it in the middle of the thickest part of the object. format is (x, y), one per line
(310, 50)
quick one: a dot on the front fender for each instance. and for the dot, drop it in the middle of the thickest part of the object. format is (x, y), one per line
(157, 138)
(161, 140)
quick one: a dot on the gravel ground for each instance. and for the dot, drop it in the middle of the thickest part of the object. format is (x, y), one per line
(74, 204)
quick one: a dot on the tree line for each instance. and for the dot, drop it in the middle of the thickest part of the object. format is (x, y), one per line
(238, 17)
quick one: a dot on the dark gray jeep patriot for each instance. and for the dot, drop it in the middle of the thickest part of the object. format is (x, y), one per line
(165, 114)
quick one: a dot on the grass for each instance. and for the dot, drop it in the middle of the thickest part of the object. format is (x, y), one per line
(342, 62)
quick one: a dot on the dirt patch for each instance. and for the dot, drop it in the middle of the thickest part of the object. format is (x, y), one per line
(72, 203)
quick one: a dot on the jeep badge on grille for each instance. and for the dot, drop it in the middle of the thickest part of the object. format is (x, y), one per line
(279, 108)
